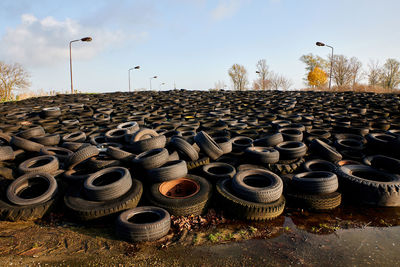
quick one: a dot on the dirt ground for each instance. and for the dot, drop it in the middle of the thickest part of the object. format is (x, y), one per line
(345, 237)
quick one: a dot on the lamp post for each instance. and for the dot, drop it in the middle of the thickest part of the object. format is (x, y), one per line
(159, 87)
(154, 77)
(85, 39)
(129, 76)
(330, 74)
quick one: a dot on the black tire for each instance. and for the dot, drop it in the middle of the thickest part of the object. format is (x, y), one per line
(185, 150)
(258, 186)
(241, 142)
(290, 134)
(32, 132)
(384, 163)
(131, 126)
(370, 186)
(143, 134)
(315, 182)
(45, 163)
(48, 140)
(149, 144)
(143, 224)
(169, 171)
(269, 140)
(349, 144)
(319, 165)
(244, 209)
(26, 144)
(61, 153)
(325, 151)
(262, 155)
(315, 202)
(291, 150)
(218, 170)
(28, 181)
(107, 184)
(152, 158)
(119, 154)
(195, 204)
(225, 144)
(78, 137)
(85, 210)
(116, 135)
(74, 146)
(285, 167)
(208, 145)
(82, 155)
(6, 153)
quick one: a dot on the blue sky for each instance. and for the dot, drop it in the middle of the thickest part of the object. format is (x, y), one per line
(190, 42)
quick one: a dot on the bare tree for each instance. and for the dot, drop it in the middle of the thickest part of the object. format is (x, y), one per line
(263, 74)
(279, 82)
(238, 74)
(342, 71)
(313, 62)
(390, 77)
(12, 77)
(356, 71)
(374, 73)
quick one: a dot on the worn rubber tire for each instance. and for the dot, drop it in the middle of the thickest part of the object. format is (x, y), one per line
(315, 182)
(26, 144)
(191, 165)
(218, 170)
(244, 209)
(149, 144)
(143, 231)
(185, 150)
(24, 181)
(291, 150)
(85, 210)
(315, 202)
(50, 165)
(368, 191)
(152, 158)
(169, 171)
(319, 165)
(208, 145)
(107, 191)
(259, 194)
(82, 155)
(262, 155)
(6, 153)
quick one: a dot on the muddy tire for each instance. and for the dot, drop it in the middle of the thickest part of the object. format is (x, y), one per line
(243, 209)
(195, 203)
(208, 145)
(46, 164)
(315, 202)
(143, 224)
(184, 149)
(6, 153)
(197, 163)
(325, 151)
(82, 155)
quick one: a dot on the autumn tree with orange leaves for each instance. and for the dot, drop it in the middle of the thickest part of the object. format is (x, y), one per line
(317, 77)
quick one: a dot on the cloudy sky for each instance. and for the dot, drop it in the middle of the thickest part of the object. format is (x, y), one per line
(188, 42)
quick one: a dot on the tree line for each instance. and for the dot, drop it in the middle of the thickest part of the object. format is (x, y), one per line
(348, 73)
(266, 79)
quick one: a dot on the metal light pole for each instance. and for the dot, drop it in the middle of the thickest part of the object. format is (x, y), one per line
(330, 74)
(129, 75)
(85, 39)
(154, 77)
(159, 86)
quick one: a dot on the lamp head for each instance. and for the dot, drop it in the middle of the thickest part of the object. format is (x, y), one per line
(137, 67)
(320, 44)
(86, 39)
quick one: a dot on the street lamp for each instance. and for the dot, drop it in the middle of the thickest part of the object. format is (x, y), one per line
(330, 74)
(154, 77)
(129, 75)
(84, 39)
(159, 87)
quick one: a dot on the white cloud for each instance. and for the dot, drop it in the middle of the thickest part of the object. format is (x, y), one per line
(226, 9)
(44, 42)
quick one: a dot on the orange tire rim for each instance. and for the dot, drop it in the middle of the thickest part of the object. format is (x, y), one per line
(179, 188)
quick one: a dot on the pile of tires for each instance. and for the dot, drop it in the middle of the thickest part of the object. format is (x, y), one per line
(99, 154)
